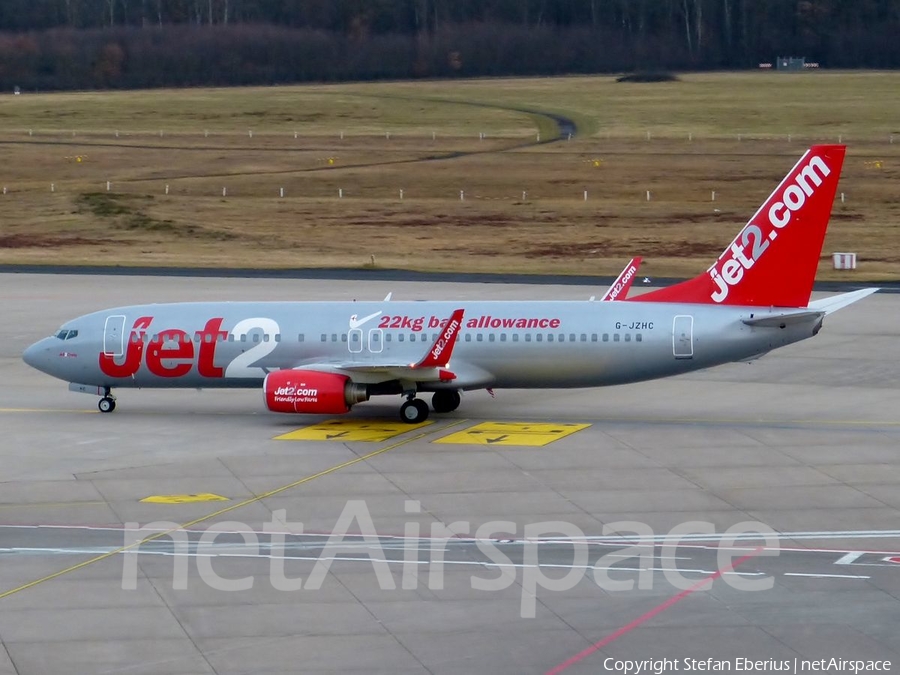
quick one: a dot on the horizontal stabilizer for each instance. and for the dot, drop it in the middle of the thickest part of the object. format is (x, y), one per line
(836, 302)
(782, 320)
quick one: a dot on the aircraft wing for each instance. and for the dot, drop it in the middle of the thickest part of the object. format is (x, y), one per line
(433, 367)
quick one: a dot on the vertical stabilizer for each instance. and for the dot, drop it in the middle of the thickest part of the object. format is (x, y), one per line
(773, 260)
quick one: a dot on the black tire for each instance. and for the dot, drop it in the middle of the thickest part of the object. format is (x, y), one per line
(107, 404)
(445, 400)
(414, 411)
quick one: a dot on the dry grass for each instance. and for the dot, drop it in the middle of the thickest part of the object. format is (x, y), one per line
(551, 230)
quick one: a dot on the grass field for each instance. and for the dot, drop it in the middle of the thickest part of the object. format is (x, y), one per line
(169, 154)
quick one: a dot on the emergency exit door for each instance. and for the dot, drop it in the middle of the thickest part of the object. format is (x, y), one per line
(683, 336)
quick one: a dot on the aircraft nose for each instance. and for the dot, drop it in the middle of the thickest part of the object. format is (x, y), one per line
(36, 355)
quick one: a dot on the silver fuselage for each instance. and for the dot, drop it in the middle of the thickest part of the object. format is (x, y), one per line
(503, 344)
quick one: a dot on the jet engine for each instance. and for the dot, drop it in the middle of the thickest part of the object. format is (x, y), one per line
(311, 392)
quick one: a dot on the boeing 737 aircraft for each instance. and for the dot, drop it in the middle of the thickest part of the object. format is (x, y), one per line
(325, 357)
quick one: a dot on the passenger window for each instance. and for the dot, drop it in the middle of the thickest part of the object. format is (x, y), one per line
(334, 337)
(627, 337)
(492, 337)
(584, 337)
(301, 337)
(277, 337)
(468, 337)
(387, 338)
(593, 337)
(515, 337)
(615, 337)
(256, 337)
(527, 337)
(135, 338)
(637, 338)
(231, 337)
(571, 337)
(480, 337)
(539, 337)
(343, 337)
(399, 337)
(606, 337)
(324, 337)
(502, 337)
(550, 337)
(196, 337)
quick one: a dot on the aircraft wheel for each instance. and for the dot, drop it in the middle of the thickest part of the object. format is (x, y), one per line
(107, 404)
(445, 400)
(414, 411)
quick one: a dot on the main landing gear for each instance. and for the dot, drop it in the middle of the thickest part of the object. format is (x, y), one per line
(414, 411)
(108, 403)
(445, 400)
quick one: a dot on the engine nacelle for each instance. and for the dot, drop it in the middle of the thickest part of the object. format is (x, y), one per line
(306, 391)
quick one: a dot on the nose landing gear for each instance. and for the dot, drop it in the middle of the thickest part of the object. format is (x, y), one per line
(107, 404)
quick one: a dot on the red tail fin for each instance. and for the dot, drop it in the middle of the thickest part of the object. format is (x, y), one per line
(772, 262)
(619, 288)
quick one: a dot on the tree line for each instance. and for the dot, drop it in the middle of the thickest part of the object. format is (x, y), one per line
(64, 44)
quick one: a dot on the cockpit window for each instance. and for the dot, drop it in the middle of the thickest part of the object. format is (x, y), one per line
(62, 334)
(66, 334)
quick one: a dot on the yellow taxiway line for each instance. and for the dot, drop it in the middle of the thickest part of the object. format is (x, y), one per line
(226, 509)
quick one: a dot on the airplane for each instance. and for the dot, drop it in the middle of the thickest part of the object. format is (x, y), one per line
(326, 357)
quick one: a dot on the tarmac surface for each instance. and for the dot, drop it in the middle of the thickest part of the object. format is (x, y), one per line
(489, 557)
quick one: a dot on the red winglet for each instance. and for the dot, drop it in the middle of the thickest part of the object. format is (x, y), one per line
(619, 288)
(439, 354)
(773, 260)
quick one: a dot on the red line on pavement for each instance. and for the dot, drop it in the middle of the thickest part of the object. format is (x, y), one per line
(627, 628)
